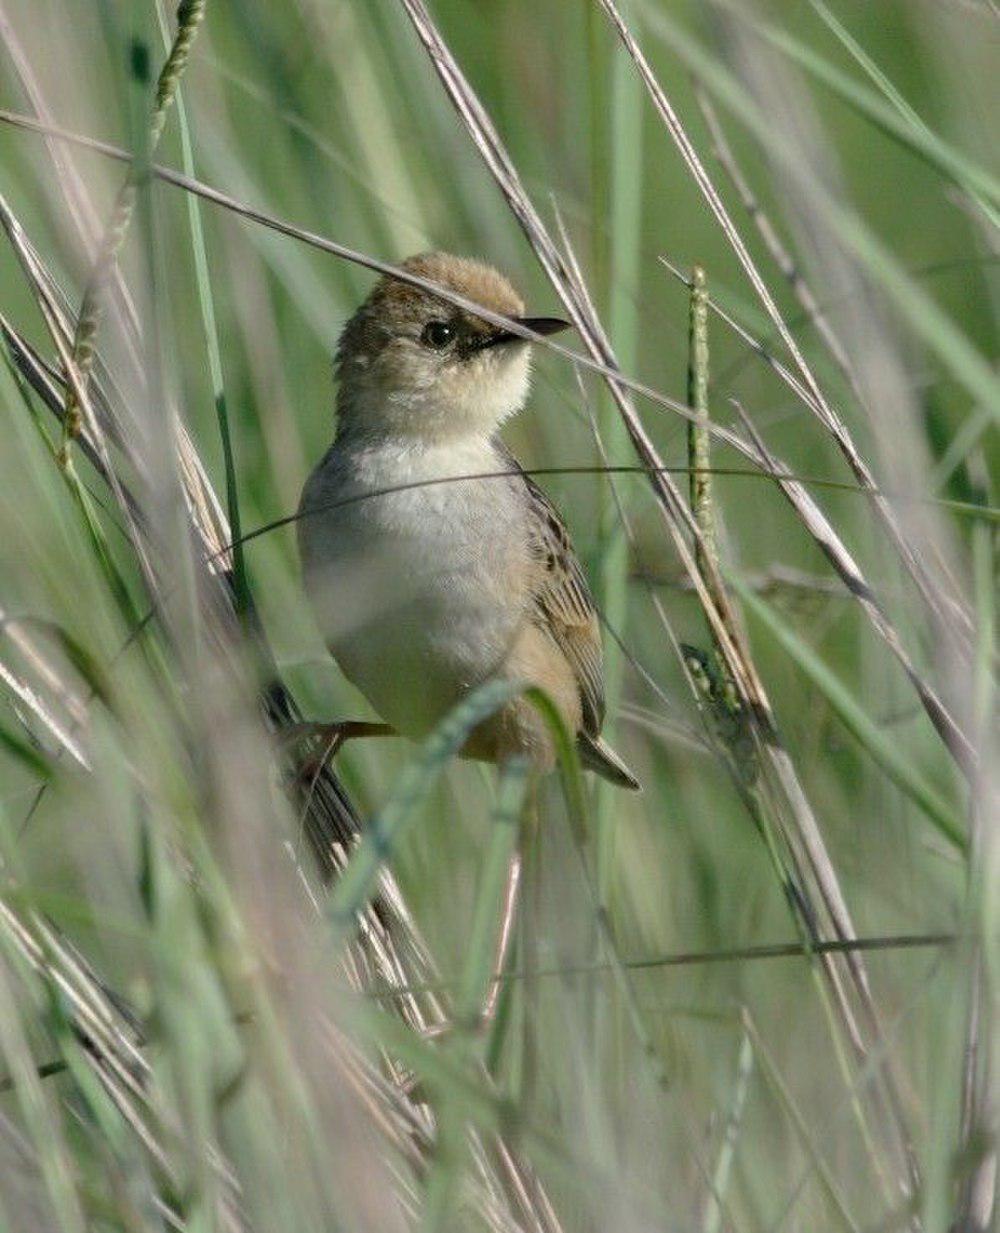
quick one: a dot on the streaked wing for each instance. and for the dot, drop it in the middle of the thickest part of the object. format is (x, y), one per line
(564, 606)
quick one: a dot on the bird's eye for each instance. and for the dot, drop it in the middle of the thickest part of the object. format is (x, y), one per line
(437, 334)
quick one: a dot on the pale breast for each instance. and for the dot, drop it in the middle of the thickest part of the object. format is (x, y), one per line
(418, 576)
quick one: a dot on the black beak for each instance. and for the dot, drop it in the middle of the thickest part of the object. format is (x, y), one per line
(544, 325)
(540, 325)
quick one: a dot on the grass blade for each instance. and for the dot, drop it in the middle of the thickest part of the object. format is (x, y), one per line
(883, 750)
(382, 833)
(466, 1042)
(206, 305)
(898, 121)
(928, 321)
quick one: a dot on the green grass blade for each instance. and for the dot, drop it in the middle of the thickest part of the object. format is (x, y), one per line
(37, 1109)
(385, 829)
(771, 1073)
(867, 64)
(882, 750)
(83, 500)
(712, 1221)
(483, 936)
(960, 447)
(25, 753)
(625, 169)
(489, 1111)
(926, 319)
(898, 121)
(206, 305)
(466, 1041)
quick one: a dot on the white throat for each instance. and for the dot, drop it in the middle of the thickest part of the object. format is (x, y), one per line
(459, 403)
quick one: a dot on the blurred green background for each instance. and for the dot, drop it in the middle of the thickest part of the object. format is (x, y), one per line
(330, 115)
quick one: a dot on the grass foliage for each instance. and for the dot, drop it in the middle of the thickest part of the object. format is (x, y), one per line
(242, 991)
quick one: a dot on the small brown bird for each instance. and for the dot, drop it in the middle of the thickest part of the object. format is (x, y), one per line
(427, 584)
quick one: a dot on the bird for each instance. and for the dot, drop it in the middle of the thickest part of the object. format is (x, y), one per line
(432, 561)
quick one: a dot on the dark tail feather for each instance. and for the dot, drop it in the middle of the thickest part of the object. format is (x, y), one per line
(598, 755)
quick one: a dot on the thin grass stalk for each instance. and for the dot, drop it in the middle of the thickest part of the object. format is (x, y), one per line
(468, 1042)
(625, 191)
(979, 1176)
(51, 315)
(827, 415)
(206, 304)
(190, 14)
(772, 240)
(82, 214)
(29, 698)
(712, 1219)
(727, 720)
(111, 1039)
(383, 832)
(898, 120)
(55, 1160)
(770, 1070)
(695, 958)
(699, 441)
(484, 935)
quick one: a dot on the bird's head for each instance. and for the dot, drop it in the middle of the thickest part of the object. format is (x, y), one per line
(412, 365)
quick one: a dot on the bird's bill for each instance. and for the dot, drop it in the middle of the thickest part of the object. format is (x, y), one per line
(538, 325)
(544, 325)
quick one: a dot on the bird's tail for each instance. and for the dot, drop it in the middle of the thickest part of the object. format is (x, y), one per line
(598, 755)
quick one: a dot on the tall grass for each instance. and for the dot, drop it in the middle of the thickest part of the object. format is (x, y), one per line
(241, 989)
